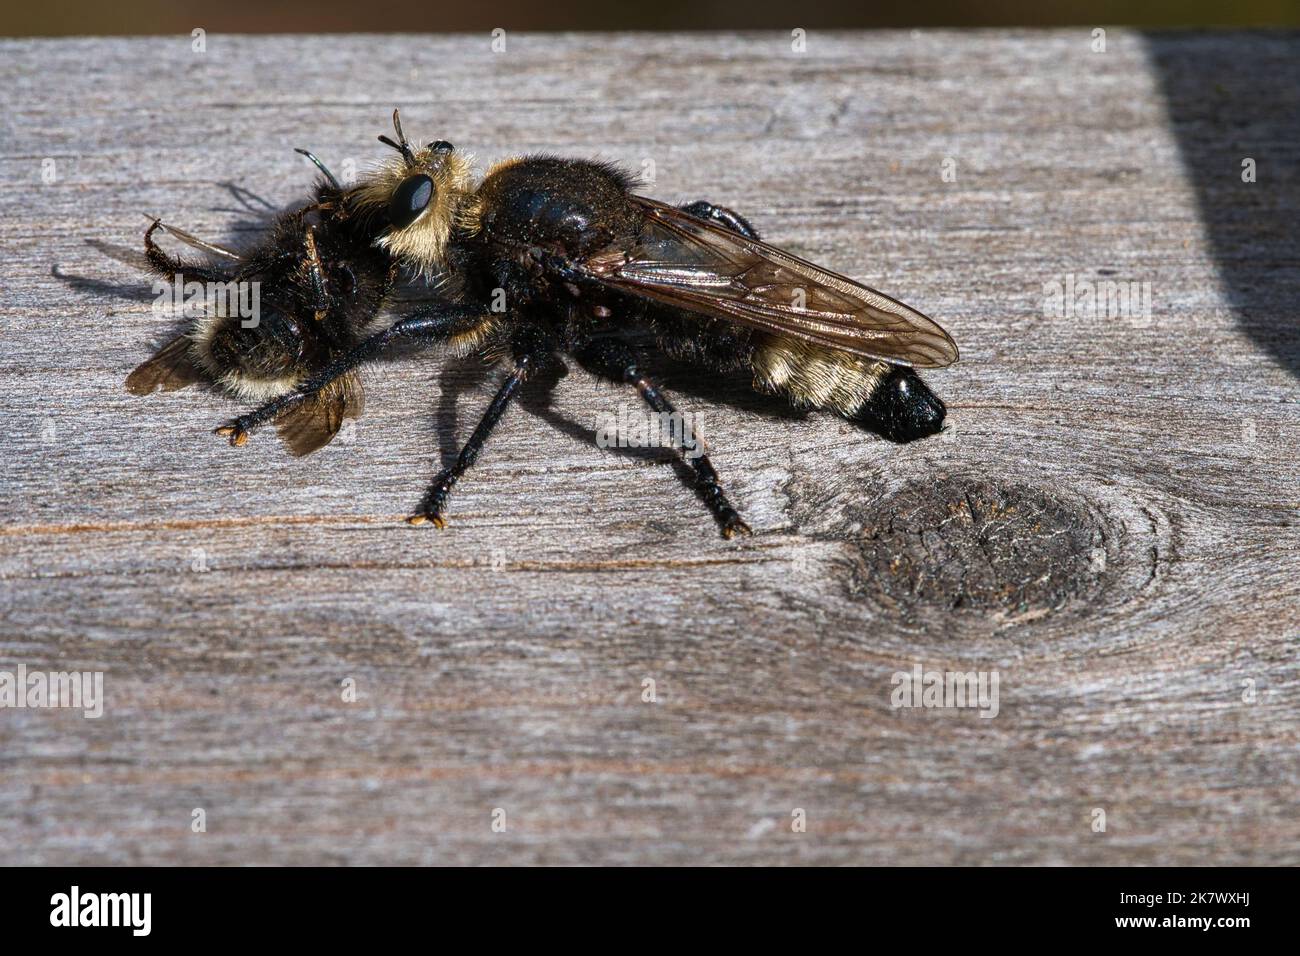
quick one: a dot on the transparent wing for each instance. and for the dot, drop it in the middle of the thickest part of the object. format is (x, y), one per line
(701, 267)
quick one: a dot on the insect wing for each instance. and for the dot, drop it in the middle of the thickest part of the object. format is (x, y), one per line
(313, 423)
(170, 368)
(692, 264)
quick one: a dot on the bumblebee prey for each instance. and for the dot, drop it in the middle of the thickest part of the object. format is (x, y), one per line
(587, 268)
(321, 279)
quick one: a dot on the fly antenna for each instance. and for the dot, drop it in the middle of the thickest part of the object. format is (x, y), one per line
(402, 146)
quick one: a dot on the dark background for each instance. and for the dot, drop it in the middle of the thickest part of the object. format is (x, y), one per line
(427, 16)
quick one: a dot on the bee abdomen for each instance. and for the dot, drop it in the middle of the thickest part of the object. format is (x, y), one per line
(255, 361)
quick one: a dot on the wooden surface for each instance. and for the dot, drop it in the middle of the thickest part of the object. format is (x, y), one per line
(1110, 523)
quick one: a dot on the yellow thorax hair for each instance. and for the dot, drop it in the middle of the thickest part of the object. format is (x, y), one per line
(454, 206)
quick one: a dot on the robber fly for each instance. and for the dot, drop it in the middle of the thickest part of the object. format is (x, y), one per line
(582, 265)
(321, 281)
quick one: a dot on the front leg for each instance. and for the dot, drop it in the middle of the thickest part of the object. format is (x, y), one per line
(435, 499)
(430, 324)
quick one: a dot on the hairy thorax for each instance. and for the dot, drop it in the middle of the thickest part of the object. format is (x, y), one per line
(565, 206)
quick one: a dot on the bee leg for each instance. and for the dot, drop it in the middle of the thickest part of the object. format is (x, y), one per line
(703, 209)
(435, 498)
(320, 296)
(615, 360)
(169, 266)
(430, 324)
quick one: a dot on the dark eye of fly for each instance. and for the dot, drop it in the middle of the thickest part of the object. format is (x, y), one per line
(409, 200)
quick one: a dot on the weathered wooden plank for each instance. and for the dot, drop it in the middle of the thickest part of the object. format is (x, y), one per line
(1110, 523)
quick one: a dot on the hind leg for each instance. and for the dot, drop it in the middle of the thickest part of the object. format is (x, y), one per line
(615, 360)
(728, 219)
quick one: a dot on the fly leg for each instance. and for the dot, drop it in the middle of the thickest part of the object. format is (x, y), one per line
(430, 324)
(434, 503)
(703, 209)
(615, 360)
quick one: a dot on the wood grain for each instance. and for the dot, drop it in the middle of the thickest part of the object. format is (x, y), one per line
(1110, 523)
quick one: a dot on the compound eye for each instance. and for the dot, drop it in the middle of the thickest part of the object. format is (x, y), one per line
(410, 199)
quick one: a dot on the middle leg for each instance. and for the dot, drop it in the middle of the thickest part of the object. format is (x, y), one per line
(435, 498)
